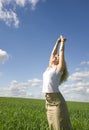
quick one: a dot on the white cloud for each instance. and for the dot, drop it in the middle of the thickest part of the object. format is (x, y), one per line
(84, 62)
(76, 92)
(21, 89)
(77, 87)
(21, 2)
(33, 3)
(79, 76)
(8, 15)
(3, 56)
(88, 90)
(34, 82)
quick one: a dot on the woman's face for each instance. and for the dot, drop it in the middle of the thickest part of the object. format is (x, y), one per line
(56, 59)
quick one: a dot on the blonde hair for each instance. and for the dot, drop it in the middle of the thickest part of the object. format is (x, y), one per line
(65, 73)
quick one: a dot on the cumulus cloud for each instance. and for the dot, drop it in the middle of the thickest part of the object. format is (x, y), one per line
(3, 56)
(21, 2)
(77, 87)
(21, 89)
(8, 10)
(88, 90)
(76, 92)
(79, 76)
(17, 89)
(34, 82)
(8, 16)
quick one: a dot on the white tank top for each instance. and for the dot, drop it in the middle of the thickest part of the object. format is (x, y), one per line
(51, 80)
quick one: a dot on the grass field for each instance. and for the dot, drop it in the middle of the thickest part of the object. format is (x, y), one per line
(29, 114)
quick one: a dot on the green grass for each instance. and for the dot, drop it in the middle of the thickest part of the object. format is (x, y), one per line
(29, 114)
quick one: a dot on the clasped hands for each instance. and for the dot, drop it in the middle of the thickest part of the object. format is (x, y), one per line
(61, 39)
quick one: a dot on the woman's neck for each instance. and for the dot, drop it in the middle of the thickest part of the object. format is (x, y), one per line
(53, 65)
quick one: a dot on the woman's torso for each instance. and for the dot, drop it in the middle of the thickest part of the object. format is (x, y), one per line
(51, 80)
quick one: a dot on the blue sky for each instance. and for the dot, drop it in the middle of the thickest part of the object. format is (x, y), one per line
(28, 32)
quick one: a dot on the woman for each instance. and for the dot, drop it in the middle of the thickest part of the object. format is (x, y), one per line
(55, 74)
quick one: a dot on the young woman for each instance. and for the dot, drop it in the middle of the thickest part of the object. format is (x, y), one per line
(55, 74)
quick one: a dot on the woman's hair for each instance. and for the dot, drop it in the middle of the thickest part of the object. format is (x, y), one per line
(65, 73)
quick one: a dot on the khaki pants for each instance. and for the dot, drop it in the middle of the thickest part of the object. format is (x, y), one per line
(57, 113)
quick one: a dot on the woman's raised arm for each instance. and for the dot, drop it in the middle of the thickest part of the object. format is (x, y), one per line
(55, 49)
(61, 54)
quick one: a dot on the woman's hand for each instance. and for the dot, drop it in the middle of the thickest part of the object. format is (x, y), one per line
(62, 39)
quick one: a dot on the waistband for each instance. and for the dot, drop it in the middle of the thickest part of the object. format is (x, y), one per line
(52, 95)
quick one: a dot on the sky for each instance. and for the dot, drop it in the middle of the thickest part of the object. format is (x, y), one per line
(28, 32)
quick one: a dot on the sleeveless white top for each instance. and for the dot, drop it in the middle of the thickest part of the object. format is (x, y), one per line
(51, 80)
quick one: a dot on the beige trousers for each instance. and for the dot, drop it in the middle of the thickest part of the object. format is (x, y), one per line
(57, 113)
